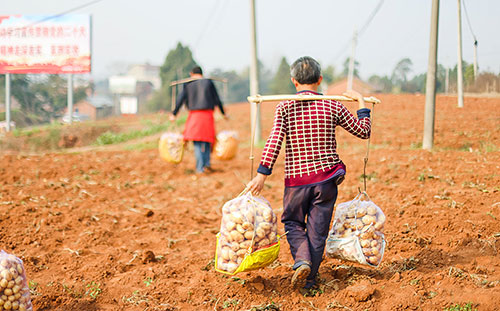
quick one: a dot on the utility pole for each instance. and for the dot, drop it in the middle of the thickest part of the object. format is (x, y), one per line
(447, 81)
(254, 77)
(460, 77)
(350, 74)
(475, 59)
(70, 97)
(7, 100)
(430, 90)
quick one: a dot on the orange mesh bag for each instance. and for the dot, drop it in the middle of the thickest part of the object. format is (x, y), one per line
(227, 145)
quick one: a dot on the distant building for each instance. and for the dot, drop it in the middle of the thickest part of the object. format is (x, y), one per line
(93, 107)
(358, 85)
(132, 91)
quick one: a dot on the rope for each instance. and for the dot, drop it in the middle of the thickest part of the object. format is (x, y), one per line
(365, 160)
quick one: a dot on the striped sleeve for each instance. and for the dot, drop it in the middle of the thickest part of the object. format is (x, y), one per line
(360, 127)
(274, 142)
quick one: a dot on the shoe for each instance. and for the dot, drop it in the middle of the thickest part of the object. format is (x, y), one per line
(209, 169)
(300, 273)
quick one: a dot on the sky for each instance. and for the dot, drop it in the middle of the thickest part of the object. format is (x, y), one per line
(218, 31)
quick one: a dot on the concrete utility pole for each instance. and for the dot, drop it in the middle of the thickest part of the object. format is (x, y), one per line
(70, 97)
(460, 77)
(350, 74)
(430, 90)
(447, 81)
(254, 76)
(475, 59)
(7, 100)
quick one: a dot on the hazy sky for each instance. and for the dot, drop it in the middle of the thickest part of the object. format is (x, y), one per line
(218, 31)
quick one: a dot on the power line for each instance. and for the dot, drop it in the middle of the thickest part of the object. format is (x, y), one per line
(468, 22)
(208, 22)
(365, 26)
(59, 14)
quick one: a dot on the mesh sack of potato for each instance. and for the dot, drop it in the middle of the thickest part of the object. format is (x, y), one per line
(14, 290)
(357, 233)
(248, 238)
(171, 147)
(227, 145)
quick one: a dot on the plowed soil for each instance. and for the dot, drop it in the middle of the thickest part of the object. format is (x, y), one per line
(125, 230)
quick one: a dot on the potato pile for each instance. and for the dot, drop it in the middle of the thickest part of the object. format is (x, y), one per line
(227, 145)
(357, 233)
(171, 147)
(14, 291)
(248, 223)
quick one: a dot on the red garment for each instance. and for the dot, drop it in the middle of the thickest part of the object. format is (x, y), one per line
(311, 148)
(200, 126)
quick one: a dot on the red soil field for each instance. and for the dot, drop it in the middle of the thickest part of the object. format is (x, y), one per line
(111, 229)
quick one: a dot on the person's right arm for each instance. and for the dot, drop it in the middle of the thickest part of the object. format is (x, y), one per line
(360, 127)
(180, 100)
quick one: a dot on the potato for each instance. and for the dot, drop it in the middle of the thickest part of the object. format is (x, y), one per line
(371, 210)
(364, 243)
(245, 244)
(236, 236)
(230, 225)
(378, 226)
(267, 215)
(248, 235)
(266, 226)
(240, 229)
(375, 251)
(272, 237)
(360, 212)
(367, 251)
(263, 242)
(374, 243)
(231, 267)
(241, 253)
(358, 224)
(368, 220)
(381, 218)
(247, 226)
(259, 232)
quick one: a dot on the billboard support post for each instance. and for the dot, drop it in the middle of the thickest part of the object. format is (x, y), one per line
(7, 101)
(70, 97)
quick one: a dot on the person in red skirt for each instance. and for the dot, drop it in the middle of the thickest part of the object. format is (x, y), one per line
(200, 97)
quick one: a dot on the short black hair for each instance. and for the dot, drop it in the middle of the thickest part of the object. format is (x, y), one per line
(197, 70)
(306, 70)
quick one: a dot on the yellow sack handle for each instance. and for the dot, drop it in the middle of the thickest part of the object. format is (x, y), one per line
(255, 260)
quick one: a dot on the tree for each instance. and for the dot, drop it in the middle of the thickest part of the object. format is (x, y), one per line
(400, 73)
(345, 72)
(177, 65)
(382, 84)
(281, 83)
(329, 74)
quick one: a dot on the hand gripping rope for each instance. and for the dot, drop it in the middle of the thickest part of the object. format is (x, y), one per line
(258, 99)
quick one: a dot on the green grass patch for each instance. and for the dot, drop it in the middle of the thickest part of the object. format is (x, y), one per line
(461, 307)
(109, 137)
(142, 146)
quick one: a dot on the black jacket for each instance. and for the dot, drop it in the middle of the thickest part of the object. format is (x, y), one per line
(199, 95)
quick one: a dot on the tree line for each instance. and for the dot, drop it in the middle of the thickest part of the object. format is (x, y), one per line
(43, 98)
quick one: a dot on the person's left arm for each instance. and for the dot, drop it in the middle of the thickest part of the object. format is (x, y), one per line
(216, 98)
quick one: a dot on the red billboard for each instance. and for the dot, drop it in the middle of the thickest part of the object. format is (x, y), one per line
(45, 44)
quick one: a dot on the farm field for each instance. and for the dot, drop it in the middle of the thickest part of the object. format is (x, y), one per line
(116, 229)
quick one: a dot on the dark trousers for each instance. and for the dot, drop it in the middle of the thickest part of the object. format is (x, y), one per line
(307, 214)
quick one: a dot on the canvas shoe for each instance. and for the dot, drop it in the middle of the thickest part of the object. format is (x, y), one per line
(300, 273)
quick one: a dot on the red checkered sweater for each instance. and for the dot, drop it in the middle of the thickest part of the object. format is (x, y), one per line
(310, 150)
